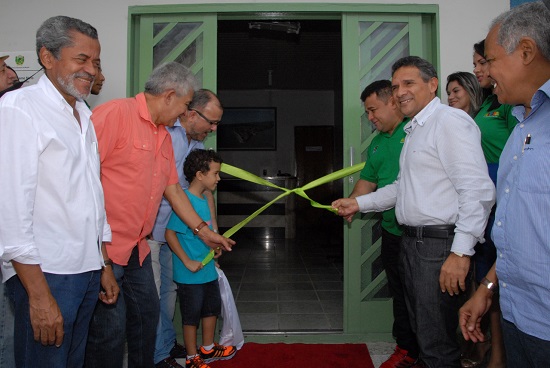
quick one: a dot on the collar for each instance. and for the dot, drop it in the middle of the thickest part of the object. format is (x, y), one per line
(399, 126)
(49, 89)
(143, 109)
(177, 125)
(540, 96)
(423, 115)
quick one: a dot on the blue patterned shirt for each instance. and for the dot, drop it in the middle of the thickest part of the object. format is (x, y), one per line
(182, 147)
(522, 227)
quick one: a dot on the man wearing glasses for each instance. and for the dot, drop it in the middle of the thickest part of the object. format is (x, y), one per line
(188, 133)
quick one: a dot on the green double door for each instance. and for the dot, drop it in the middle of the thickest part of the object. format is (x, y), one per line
(373, 37)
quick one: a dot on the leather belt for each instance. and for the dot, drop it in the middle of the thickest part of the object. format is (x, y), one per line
(430, 231)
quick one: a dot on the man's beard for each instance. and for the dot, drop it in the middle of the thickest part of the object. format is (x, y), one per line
(197, 136)
(68, 84)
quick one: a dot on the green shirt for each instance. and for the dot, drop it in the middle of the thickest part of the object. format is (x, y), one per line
(382, 167)
(495, 126)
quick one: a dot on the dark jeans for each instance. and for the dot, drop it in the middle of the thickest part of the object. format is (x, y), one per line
(198, 301)
(402, 330)
(7, 318)
(434, 315)
(134, 318)
(523, 350)
(76, 295)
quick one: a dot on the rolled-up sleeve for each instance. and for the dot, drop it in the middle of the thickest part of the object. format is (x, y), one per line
(19, 152)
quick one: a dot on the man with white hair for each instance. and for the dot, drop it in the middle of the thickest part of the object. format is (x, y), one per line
(137, 169)
(517, 49)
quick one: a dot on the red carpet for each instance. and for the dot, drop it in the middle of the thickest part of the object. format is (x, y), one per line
(253, 355)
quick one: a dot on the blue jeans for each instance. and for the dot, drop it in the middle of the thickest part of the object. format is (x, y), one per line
(7, 356)
(76, 296)
(133, 318)
(523, 350)
(433, 314)
(161, 257)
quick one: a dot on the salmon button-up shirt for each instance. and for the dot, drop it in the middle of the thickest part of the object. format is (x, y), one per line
(137, 164)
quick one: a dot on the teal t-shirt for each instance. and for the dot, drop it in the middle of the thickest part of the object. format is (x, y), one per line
(192, 245)
(495, 126)
(382, 167)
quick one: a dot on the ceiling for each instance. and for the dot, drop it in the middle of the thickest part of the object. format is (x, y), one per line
(273, 59)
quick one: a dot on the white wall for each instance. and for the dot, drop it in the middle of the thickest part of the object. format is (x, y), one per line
(462, 24)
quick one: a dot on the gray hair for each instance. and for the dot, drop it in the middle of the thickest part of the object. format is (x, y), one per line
(171, 75)
(202, 97)
(527, 20)
(55, 34)
(427, 70)
(469, 82)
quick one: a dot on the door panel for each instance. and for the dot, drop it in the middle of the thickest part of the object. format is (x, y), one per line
(181, 38)
(373, 37)
(371, 44)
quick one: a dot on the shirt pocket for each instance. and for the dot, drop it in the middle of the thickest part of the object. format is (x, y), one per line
(534, 172)
(142, 154)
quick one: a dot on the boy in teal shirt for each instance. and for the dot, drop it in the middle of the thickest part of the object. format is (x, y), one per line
(198, 288)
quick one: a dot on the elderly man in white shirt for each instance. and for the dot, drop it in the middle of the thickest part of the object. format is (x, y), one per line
(52, 215)
(442, 197)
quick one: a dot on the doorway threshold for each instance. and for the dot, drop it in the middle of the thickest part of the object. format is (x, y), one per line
(296, 333)
(327, 337)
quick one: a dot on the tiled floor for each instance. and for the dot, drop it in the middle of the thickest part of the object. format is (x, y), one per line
(291, 285)
(287, 285)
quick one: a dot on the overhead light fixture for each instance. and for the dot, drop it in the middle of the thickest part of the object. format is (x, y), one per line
(288, 27)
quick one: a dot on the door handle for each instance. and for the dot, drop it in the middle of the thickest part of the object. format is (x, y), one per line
(351, 154)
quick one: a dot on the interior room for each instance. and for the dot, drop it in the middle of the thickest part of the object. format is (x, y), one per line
(286, 269)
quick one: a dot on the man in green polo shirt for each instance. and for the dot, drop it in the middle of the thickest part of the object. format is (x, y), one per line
(381, 169)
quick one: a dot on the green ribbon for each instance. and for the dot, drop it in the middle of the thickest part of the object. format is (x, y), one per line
(245, 175)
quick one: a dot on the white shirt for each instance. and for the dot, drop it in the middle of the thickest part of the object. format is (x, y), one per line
(51, 201)
(443, 177)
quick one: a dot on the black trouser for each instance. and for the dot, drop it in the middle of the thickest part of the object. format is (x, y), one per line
(433, 314)
(402, 330)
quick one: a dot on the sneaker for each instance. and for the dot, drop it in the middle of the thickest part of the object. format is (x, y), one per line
(178, 351)
(196, 362)
(218, 352)
(399, 359)
(168, 363)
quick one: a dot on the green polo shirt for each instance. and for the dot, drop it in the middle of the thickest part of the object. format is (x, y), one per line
(495, 126)
(382, 167)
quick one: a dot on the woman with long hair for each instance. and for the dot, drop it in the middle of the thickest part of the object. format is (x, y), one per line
(464, 92)
(496, 122)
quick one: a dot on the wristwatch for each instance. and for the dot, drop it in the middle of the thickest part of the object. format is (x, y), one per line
(107, 262)
(491, 286)
(199, 227)
(461, 254)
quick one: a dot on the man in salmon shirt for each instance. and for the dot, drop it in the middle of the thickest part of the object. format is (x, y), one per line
(137, 169)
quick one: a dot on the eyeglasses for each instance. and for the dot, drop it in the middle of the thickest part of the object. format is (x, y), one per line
(205, 118)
